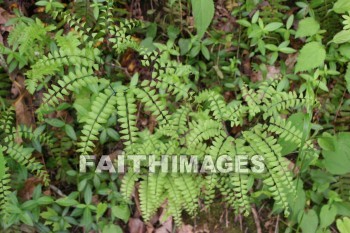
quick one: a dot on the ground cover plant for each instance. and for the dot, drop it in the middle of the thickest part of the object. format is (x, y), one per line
(255, 93)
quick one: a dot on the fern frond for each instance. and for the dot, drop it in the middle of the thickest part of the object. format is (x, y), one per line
(279, 179)
(284, 101)
(253, 100)
(126, 109)
(175, 200)
(189, 187)
(72, 82)
(216, 102)
(65, 56)
(23, 156)
(285, 130)
(201, 131)
(128, 184)
(151, 100)
(177, 123)
(4, 181)
(101, 109)
(151, 194)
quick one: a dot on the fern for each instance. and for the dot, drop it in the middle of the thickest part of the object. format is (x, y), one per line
(101, 110)
(189, 121)
(4, 181)
(279, 179)
(126, 109)
(72, 82)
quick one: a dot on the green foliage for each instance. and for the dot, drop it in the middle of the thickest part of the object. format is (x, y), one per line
(203, 13)
(307, 27)
(336, 153)
(311, 56)
(212, 97)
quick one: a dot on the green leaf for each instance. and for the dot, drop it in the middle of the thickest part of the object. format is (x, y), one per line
(86, 219)
(341, 6)
(122, 212)
(273, 26)
(66, 201)
(287, 50)
(307, 27)
(28, 205)
(110, 228)
(345, 50)
(290, 21)
(26, 219)
(327, 215)
(45, 200)
(70, 132)
(185, 45)
(88, 194)
(205, 52)
(311, 56)
(308, 221)
(343, 225)
(244, 22)
(203, 13)
(101, 209)
(337, 161)
(55, 122)
(113, 134)
(326, 142)
(342, 37)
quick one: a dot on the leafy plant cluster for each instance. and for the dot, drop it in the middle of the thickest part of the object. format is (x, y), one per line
(193, 90)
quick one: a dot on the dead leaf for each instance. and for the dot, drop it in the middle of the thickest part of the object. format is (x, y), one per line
(136, 226)
(23, 102)
(290, 62)
(4, 17)
(166, 227)
(185, 229)
(30, 184)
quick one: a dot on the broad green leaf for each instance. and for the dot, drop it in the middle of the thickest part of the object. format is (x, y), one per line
(113, 134)
(290, 21)
(26, 219)
(122, 212)
(70, 132)
(307, 27)
(101, 209)
(327, 215)
(205, 52)
(341, 6)
(326, 142)
(343, 225)
(308, 221)
(185, 45)
(55, 122)
(273, 26)
(88, 194)
(337, 161)
(203, 13)
(244, 22)
(342, 37)
(86, 220)
(45, 200)
(66, 201)
(311, 56)
(345, 50)
(110, 228)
